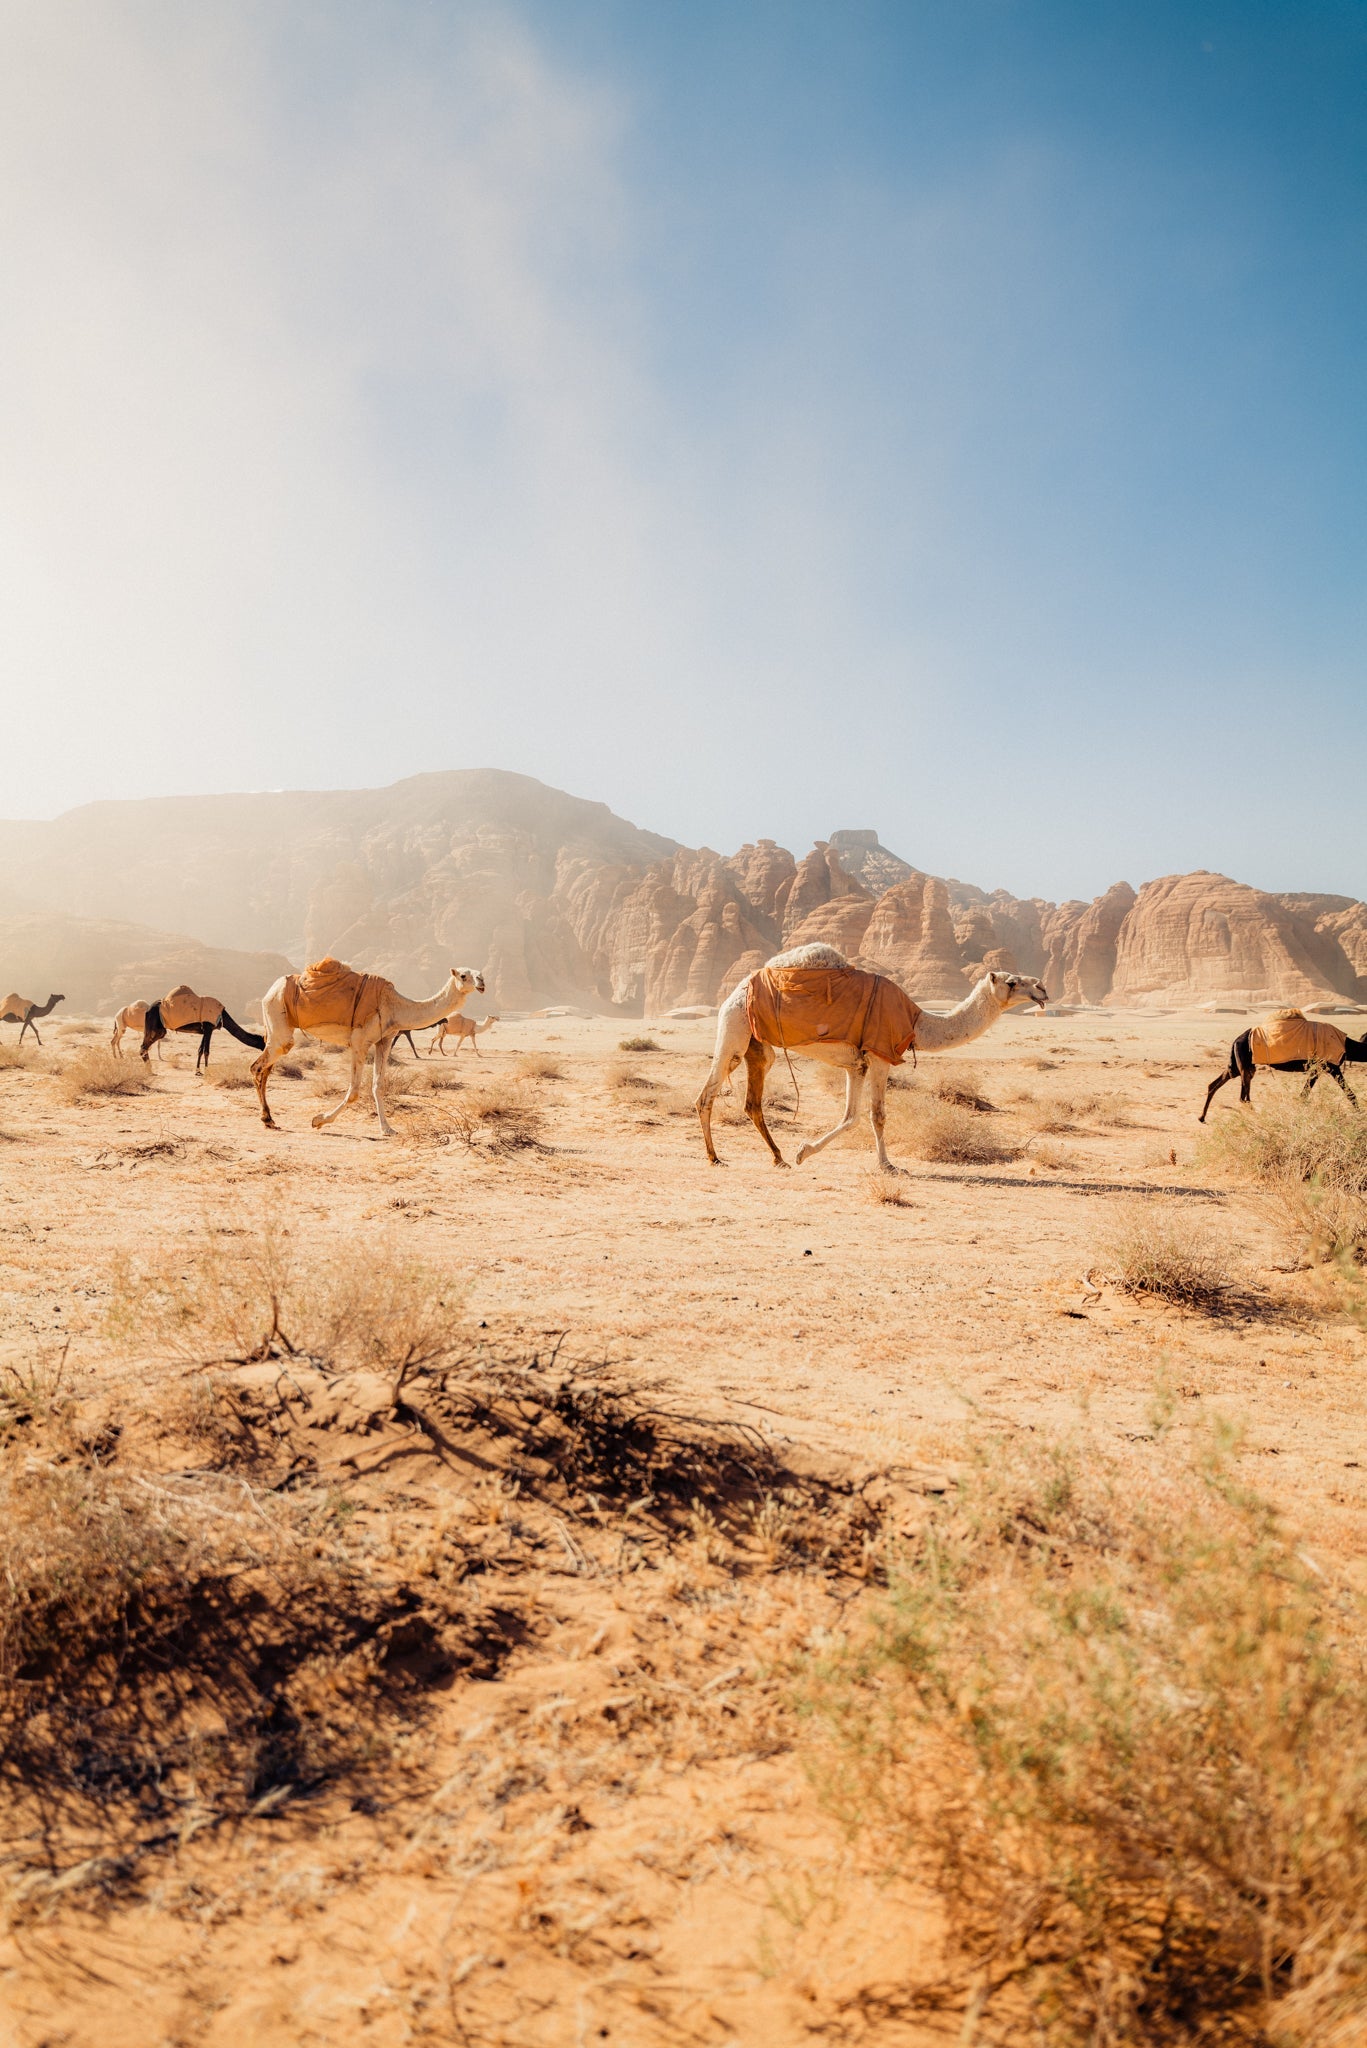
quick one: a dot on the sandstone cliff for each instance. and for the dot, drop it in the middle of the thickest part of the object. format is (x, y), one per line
(559, 900)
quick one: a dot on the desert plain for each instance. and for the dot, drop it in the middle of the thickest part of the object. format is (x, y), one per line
(604, 1821)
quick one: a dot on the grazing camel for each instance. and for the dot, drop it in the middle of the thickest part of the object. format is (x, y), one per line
(868, 1010)
(1289, 1043)
(132, 1017)
(22, 1010)
(338, 1006)
(183, 1010)
(463, 1029)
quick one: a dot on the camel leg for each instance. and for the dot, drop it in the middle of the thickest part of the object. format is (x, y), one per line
(1337, 1073)
(206, 1032)
(733, 1038)
(377, 1087)
(854, 1094)
(150, 1038)
(758, 1060)
(115, 1036)
(878, 1115)
(353, 1094)
(1215, 1085)
(1312, 1074)
(279, 1039)
(28, 1025)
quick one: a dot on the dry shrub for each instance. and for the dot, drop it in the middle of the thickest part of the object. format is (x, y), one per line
(501, 1115)
(1057, 1158)
(1312, 1156)
(97, 1071)
(637, 1045)
(962, 1085)
(886, 1190)
(1158, 1247)
(172, 1646)
(1057, 1113)
(236, 1074)
(948, 1133)
(623, 1077)
(1118, 1724)
(80, 1027)
(12, 1056)
(256, 1296)
(539, 1066)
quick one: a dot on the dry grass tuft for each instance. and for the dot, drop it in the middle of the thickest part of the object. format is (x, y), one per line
(949, 1134)
(1158, 1247)
(539, 1066)
(962, 1086)
(12, 1056)
(637, 1045)
(622, 1077)
(1118, 1724)
(1057, 1158)
(256, 1296)
(81, 1027)
(234, 1074)
(97, 1071)
(1312, 1157)
(886, 1190)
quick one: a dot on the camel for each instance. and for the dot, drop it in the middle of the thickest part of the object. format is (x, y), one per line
(463, 1029)
(919, 1029)
(22, 1010)
(1310, 1048)
(338, 1006)
(183, 1010)
(132, 1017)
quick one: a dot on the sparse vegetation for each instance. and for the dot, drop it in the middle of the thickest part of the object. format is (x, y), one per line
(96, 1071)
(621, 1076)
(1119, 1727)
(539, 1066)
(1312, 1157)
(962, 1086)
(637, 1045)
(255, 1297)
(1156, 1246)
(947, 1133)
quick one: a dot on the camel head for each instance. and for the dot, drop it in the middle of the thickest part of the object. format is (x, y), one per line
(1010, 989)
(468, 981)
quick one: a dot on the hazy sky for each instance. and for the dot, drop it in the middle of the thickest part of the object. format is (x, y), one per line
(947, 418)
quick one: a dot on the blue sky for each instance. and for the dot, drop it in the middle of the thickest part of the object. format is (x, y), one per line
(763, 417)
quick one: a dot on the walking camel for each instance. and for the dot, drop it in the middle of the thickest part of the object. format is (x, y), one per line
(23, 1010)
(183, 1010)
(132, 1017)
(338, 1006)
(811, 1001)
(1289, 1043)
(463, 1029)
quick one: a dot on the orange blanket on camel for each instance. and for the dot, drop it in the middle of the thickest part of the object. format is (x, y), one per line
(330, 995)
(1287, 1035)
(184, 1007)
(796, 1006)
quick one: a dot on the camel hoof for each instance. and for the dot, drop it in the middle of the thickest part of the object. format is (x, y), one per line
(318, 1122)
(783, 1163)
(804, 1152)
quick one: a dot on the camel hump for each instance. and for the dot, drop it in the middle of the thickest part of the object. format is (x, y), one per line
(13, 1005)
(182, 1006)
(329, 993)
(1290, 1035)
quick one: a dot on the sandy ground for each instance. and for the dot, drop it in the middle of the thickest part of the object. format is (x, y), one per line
(865, 1334)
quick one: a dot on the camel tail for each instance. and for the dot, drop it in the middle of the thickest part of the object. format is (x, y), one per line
(252, 1038)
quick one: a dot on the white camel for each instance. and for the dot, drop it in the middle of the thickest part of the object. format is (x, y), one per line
(132, 1017)
(992, 997)
(338, 1006)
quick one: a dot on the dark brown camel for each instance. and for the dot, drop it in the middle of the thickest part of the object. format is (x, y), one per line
(22, 1010)
(183, 1010)
(1243, 1064)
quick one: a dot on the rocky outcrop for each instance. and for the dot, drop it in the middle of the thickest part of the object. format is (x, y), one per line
(911, 937)
(560, 901)
(1191, 937)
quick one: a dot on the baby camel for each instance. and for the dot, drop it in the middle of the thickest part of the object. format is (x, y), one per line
(338, 1006)
(463, 1029)
(22, 1010)
(132, 1017)
(838, 983)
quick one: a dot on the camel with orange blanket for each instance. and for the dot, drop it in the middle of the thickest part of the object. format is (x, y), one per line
(812, 1002)
(364, 1012)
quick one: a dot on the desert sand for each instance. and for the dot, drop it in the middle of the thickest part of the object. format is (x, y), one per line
(612, 1835)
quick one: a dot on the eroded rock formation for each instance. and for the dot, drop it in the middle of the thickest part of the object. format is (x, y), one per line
(560, 901)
